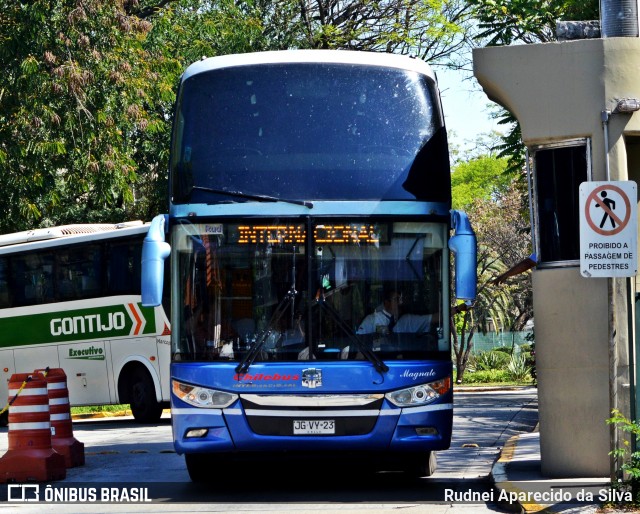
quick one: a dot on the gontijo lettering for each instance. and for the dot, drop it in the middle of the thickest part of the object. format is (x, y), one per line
(87, 324)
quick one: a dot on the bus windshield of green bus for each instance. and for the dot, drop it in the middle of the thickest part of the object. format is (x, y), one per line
(309, 132)
(288, 290)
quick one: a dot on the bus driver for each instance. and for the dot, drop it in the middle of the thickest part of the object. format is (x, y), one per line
(388, 318)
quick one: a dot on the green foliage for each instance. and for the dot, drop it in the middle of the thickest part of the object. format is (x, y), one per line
(432, 30)
(631, 464)
(526, 348)
(504, 22)
(482, 177)
(518, 368)
(93, 409)
(491, 360)
(79, 91)
(488, 376)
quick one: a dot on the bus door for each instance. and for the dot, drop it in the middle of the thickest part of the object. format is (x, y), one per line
(86, 366)
(34, 357)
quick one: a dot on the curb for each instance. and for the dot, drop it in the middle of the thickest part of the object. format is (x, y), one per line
(522, 485)
(501, 479)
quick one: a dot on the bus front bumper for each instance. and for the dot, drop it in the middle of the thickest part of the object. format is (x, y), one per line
(197, 430)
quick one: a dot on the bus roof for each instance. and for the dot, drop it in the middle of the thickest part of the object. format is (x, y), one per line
(68, 234)
(311, 56)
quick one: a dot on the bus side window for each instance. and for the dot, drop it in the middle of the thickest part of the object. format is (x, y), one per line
(123, 268)
(79, 272)
(5, 290)
(33, 278)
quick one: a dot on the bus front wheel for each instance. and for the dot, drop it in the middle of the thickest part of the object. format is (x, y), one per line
(210, 467)
(422, 464)
(142, 398)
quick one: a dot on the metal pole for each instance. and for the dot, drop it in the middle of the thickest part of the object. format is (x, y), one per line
(605, 126)
(613, 377)
(613, 354)
(534, 248)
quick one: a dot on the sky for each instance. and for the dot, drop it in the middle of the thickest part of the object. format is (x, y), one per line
(466, 107)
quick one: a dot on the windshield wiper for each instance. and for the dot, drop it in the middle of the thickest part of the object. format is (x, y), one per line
(289, 301)
(251, 196)
(250, 356)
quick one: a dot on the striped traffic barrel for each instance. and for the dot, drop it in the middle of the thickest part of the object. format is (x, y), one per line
(62, 439)
(30, 456)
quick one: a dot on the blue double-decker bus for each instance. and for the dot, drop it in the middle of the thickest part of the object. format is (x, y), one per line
(309, 235)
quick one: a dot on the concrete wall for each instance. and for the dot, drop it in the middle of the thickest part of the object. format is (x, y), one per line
(572, 362)
(558, 91)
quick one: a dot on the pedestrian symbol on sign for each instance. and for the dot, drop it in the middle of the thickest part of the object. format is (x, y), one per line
(610, 207)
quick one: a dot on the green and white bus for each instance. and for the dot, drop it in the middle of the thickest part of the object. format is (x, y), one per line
(70, 299)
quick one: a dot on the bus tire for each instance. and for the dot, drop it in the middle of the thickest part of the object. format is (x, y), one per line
(196, 466)
(422, 464)
(142, 398)
(210, 467)
(4, 419)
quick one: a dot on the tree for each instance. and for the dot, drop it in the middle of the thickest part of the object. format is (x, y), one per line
(506, 22)
(77, 90)
(479, 177)
(494, 203)
(86, 100)
(430, 29)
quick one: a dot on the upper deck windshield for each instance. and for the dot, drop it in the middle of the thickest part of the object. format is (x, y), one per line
(311, 131)
(301, 290)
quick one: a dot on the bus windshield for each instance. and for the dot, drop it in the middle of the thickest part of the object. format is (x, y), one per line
(308, 131)
(300, 290)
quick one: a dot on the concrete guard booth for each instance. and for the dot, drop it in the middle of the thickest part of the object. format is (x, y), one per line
(567, 98)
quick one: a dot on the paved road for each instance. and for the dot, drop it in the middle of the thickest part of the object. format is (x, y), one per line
(123, 456)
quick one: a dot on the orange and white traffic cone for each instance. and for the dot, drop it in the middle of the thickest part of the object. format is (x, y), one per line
(30, 455)
(62, 438)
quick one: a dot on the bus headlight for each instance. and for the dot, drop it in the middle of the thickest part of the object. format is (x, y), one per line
(203, 397)
(419, 395)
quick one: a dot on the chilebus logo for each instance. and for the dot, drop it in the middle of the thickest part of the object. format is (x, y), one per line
(92, 353)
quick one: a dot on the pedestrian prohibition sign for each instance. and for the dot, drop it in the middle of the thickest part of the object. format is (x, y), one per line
(608, 229)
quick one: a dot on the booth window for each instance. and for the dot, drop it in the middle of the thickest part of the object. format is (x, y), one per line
(558, 172)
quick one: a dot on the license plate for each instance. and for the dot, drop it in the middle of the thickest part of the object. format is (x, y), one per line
(314, 426)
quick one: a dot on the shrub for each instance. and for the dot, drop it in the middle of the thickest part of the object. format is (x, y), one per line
(526, 348)
(518, 368)
(486, 376)
(631, 466)
(485, 361)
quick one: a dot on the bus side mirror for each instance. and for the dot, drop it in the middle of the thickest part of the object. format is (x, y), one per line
(154, 252)
(463, 245)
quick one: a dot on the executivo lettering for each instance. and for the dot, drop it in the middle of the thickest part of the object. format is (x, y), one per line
(92, 353)
(87, 324)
